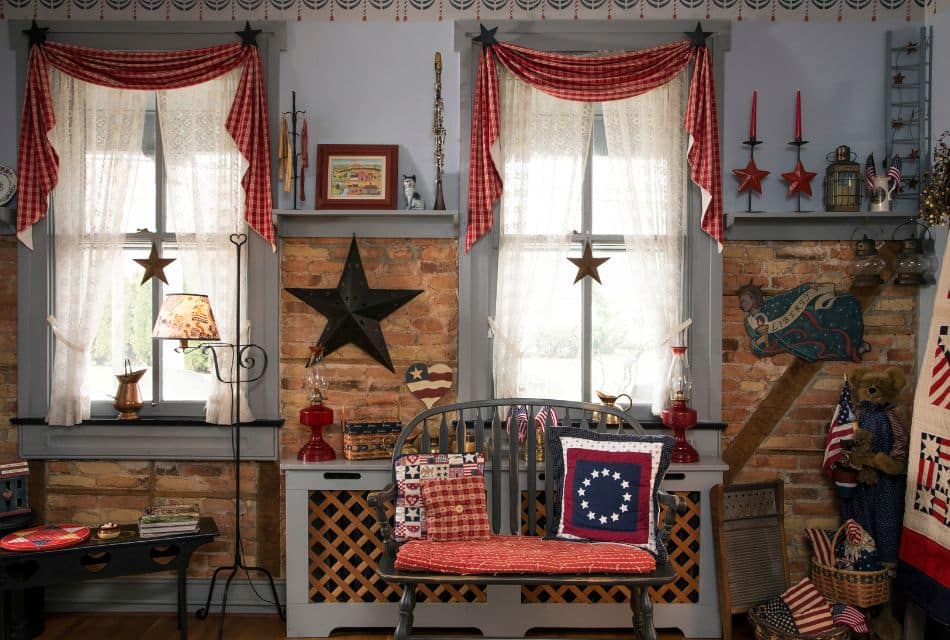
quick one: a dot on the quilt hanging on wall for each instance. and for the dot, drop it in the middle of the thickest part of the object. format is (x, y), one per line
(924, 571)
(488, 10)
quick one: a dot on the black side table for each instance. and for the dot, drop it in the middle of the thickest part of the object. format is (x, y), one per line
(125, 555)
(26, 607)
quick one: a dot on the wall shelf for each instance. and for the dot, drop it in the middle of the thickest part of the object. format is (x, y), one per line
(815, 225)
(398, 223)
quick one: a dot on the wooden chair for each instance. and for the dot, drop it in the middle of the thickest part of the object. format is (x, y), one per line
(479, 426)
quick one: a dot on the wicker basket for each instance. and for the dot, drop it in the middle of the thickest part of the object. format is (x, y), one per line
(364, 440)
(764, 631)
(858, 588)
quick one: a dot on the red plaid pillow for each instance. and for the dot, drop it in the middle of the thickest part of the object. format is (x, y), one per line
(456, 509)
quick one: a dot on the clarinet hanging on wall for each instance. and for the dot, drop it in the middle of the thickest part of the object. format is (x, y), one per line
(438, 129)
(289, 171)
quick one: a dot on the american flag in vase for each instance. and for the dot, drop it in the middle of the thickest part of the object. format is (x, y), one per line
(545, 417)
(869, 171)
(840, 429)
(894, 171)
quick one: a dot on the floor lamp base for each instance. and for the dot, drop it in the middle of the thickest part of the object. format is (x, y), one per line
(232, 570)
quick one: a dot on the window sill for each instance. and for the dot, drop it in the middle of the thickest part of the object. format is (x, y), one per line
(147, 439)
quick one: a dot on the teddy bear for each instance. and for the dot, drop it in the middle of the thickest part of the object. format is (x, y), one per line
(880, 450)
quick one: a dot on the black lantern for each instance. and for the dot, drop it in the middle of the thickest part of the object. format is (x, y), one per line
(867, 265)
(842, 181)
(913, 265)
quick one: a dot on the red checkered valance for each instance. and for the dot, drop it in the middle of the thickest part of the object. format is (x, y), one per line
(38, 163)
(594, 79)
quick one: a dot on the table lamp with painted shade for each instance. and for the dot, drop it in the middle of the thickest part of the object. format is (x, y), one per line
(184, 317)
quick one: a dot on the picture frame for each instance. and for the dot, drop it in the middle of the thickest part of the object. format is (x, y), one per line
(357, 176)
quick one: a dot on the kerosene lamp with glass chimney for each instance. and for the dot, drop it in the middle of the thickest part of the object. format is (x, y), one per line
(317, 415)
(678, 415)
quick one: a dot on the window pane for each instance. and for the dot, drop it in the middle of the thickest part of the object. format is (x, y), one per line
(125, 331)
(185, 376)
(621, 325)
(606, 202)
(551, 363)
(142, 213)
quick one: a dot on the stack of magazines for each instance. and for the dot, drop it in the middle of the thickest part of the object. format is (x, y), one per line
(168, 520)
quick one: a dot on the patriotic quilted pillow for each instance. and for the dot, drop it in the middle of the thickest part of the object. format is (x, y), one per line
(411, 469)
(605, 486)
(456, 509)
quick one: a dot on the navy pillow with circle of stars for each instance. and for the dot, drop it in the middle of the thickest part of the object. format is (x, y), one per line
(605, 486)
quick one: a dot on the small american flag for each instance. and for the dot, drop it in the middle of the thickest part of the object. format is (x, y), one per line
(809, 608)
(894, 171)
(851, 616)
(840, 429)
(545, 417)
(869, 171)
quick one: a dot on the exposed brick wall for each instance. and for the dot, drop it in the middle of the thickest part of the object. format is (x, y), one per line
(794, 450)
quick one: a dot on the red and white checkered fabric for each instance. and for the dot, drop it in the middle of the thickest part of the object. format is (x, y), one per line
(456, 509)
(594, 79)
(38, 163)
(523, 554)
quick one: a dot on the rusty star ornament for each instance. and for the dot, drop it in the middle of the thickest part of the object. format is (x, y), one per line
(587, 264)
(799, 180)
(154, 265)
(750, 177)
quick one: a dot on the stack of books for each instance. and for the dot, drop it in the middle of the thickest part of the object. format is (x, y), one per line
(168, 520)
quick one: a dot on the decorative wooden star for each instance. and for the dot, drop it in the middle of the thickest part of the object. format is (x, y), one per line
(897, 124)
(486, 37)
(914, 154)
(36, 34)
(899, 78)
(910, 47)
(247, 35)
(697, 37)
(353, 310)
(154, 265)
(750, 177)
(587, 264)
(799, 180)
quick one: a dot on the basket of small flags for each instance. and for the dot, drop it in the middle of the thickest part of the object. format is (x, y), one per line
(801, 613)
(847, 568)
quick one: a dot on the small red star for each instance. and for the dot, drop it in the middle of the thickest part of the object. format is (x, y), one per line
(750, 177)
(799, 180)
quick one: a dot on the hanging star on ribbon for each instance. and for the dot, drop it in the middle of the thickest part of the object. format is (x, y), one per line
(697, 37)
(247, 35)
(799, 180)
(486, 37)
(587, 264)
(353, 310)
(36, 34)
(750, 177)
(899, 78)
(154, 265)
(910, 47)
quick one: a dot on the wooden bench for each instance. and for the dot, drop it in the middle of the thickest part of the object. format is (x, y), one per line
(480, 427)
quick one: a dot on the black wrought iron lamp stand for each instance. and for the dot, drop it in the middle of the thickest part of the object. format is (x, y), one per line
(244, 356)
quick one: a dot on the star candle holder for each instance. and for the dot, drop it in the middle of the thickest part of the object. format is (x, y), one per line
(750, 177)
(799, 179)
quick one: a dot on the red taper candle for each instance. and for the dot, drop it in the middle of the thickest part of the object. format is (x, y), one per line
(755, 96)
(798, 115)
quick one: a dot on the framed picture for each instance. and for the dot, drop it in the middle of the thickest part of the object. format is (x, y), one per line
(357, 176)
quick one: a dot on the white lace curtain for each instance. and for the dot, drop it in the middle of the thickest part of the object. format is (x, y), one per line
(97, 130)
(203, 169)
(544, 145)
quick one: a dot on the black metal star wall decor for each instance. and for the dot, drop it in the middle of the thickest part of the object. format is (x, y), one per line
(247, 35)
(587, 264)
(487, 36)
(154, 265)
(353, 310)
(36, 34)
(697, 37)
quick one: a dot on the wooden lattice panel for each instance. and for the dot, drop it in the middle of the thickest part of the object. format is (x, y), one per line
(683, 548)
(344, 549)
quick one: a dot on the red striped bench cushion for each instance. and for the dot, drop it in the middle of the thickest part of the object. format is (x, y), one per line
(523, 554)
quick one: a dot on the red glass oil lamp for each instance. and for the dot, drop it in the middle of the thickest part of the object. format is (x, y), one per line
(316, 416)
(678, 416)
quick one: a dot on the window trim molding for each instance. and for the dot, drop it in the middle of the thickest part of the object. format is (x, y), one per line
(34, 280)
(478, 269)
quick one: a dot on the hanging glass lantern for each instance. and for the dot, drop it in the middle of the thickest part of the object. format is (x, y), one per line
(842, 181)
(867, 265)
(913, 266)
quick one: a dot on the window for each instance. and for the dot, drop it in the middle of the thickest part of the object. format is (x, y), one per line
(176, 384)
(587, 336)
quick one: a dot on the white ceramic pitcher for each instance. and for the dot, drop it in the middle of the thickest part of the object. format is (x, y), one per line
(881, 190)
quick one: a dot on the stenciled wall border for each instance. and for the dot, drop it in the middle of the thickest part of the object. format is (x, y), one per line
(439, 10)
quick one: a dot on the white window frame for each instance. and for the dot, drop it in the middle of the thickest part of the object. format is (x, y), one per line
(477, 269)
(179, 431)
